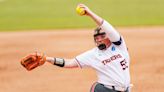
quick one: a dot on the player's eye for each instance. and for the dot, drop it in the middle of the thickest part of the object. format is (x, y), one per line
(100, 37)
(103, 36)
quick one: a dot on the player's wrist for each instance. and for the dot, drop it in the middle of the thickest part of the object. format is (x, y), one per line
(56, 61)
(50, 60)
(59, 62)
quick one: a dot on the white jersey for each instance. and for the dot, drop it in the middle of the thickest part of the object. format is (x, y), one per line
(111, 65)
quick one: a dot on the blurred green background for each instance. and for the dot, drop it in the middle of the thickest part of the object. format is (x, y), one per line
(56, 14)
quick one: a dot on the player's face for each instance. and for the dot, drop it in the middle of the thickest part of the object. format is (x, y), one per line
(102, 39)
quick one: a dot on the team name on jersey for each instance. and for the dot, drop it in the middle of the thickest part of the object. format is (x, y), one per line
(114, 57)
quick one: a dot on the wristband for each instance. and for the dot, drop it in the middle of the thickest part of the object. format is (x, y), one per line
(59, 62)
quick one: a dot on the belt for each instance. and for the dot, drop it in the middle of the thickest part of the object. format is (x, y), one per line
(116, 88)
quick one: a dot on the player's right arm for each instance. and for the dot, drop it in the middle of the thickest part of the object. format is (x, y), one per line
(66, 63)
(80, 61)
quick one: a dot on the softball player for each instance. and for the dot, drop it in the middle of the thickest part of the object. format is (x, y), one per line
(109, 58)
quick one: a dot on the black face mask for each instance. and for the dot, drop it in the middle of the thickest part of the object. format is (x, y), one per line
(102, 46)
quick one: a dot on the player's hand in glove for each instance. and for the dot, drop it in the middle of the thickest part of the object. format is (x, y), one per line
(33, 60)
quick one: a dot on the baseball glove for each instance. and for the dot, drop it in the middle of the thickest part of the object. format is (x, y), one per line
(33, 60)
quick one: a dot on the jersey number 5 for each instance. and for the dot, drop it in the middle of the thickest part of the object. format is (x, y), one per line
(124, 64)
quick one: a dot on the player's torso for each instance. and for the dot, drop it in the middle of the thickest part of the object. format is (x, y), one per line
(112, 65)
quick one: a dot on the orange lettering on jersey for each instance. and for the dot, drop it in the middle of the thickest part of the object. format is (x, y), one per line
(114, 57)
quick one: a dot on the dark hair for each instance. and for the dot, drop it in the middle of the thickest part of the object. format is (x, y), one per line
(97, 32)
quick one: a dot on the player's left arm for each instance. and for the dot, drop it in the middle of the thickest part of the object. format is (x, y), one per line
(113, 35)
(66, 63)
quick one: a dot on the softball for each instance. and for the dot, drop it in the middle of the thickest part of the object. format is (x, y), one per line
(80, 11)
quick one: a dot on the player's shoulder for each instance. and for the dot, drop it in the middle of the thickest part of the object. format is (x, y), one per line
(121, 45)
(92, 51)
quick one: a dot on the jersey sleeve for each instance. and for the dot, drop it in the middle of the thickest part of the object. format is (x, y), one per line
(83, 60)
(113, 35)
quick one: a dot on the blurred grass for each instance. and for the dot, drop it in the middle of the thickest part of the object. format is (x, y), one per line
(52, 14)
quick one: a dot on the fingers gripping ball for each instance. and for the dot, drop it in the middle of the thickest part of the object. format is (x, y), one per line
(80, 11)
(33, 60)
